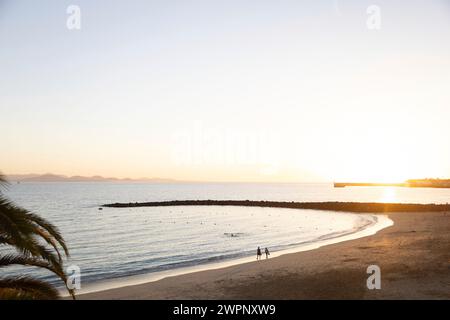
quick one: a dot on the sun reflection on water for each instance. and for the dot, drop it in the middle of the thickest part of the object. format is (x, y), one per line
(389, 194)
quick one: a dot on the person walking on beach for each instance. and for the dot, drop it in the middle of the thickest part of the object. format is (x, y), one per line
(267, 253)
(258, 253)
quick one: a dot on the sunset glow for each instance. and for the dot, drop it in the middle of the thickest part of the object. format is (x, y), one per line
(275, 94)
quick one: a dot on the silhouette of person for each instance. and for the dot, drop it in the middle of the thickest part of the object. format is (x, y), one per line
(258, 254)
(267, 253)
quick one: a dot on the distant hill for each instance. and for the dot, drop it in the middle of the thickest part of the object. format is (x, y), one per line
(428, 183)
(413, 183)
(49, 177)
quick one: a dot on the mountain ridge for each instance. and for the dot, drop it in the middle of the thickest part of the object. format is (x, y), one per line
(50, 177)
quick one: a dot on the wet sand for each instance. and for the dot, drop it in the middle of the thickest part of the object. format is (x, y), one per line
(414, 257)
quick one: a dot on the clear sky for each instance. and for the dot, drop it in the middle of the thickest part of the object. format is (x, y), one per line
(230, 90)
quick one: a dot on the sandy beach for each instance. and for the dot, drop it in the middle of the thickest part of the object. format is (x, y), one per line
(414, 257)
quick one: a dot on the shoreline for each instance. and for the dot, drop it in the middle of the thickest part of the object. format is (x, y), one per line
(376, 223)
(413, 255)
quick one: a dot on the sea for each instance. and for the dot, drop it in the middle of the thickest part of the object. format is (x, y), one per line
(113, 244)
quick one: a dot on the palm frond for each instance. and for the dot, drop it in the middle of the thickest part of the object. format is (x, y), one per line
(26, 288)
(21, 225)
(3, 182)
(50, 229)
(26, 232)
(13, 259)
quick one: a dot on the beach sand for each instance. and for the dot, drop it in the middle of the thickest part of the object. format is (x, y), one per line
(414, 257)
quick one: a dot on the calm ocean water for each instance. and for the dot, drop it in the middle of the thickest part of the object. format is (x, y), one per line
(115, 243)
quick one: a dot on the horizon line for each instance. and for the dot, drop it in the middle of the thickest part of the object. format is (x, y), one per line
(143, 179)
(91, 178)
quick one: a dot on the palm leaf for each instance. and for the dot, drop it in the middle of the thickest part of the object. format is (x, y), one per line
(26, 288)
(20, 225)
(3, 182)
(26, 232)
(12, 259)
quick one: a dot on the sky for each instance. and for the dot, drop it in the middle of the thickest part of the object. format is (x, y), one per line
(281, 91)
